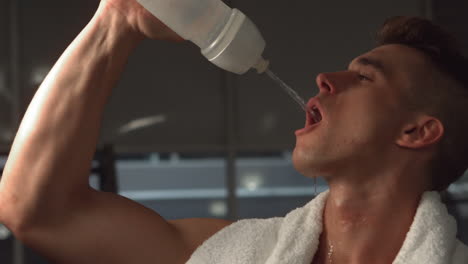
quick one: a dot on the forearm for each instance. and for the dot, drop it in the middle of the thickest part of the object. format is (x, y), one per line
(50, 158)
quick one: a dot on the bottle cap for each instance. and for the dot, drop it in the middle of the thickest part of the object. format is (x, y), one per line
(262, 65)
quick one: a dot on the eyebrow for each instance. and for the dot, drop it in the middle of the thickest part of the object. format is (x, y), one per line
(376, 64)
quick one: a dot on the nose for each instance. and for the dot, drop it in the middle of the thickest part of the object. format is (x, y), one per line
(324, 84)
(335, 82)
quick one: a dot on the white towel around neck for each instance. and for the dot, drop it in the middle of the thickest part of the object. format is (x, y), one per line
(294, 239)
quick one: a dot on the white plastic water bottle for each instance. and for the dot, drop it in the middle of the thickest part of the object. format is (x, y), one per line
(225, 36)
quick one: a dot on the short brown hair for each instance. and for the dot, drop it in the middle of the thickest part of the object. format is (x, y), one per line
(450, 101)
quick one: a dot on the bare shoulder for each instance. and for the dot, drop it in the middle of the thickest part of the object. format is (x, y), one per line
(194, 231)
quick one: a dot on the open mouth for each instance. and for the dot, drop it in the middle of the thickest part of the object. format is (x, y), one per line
(315, 116)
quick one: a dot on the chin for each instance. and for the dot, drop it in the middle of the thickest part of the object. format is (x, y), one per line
(305, 164)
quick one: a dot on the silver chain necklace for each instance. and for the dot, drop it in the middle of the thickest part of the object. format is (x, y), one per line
(330, 252)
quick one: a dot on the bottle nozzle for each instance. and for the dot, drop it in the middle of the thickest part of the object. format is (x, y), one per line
(262, 65)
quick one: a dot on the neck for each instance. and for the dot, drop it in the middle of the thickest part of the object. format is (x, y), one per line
(359, 217)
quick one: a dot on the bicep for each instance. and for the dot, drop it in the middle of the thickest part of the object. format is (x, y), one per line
(107, 228)
(193, 232)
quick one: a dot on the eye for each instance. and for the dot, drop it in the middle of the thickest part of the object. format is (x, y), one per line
(363, 77)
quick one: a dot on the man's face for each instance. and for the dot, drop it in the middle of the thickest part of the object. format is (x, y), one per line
(362, 111)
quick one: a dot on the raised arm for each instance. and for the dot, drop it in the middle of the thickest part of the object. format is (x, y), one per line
(45, 198)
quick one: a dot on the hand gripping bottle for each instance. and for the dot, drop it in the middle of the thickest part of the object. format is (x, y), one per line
(225, 36)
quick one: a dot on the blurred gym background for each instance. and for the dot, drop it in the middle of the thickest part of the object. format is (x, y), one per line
(187, 139)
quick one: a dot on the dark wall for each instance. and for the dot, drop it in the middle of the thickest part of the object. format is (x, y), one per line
(7, 98)
(5, 118)
(453, 16)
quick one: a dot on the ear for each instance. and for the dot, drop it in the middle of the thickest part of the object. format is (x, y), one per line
(425, 132)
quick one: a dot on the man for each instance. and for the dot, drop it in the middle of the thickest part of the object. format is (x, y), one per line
(388, 127)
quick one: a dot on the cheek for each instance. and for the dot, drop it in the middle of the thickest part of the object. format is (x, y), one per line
(362, 124)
